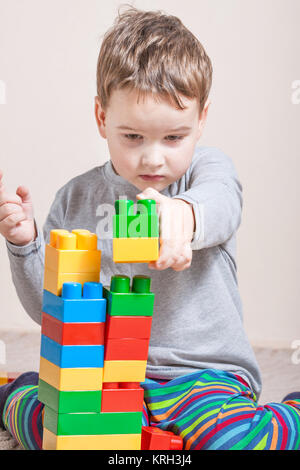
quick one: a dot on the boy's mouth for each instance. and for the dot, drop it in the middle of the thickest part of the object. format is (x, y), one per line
(151, 177)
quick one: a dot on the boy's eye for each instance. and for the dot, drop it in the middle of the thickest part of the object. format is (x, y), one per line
(175, 137)
(172, 138)
(131, 136)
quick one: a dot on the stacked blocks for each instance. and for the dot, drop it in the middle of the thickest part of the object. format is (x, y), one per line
(127, 335)
(135, 235)
(90, 368)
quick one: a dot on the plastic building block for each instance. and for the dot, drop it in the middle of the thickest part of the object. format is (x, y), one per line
(72, 333)
(154, 438)
(69, 401)
(125, 301)
(7, 377)
(135, 250)
(135, 235)
(122, 399)
(91, 442)
(90, 378)
(126, 349)
(124, 371)
(74, 252)
(92, 423)
(3, 378)
(143, 223)
(53, 281)
(128, 327)
(72, 356)
(76, 304)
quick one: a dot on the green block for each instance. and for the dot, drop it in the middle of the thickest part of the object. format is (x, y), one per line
(143, 223)
(135, 226)
(69, 401)
(70, 424)
(123, 300)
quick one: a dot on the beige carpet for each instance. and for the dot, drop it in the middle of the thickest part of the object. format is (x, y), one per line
(280, 376)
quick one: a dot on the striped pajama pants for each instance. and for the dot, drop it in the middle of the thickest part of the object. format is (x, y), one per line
(210, 409)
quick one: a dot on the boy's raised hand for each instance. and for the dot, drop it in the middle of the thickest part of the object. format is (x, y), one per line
(177, 224)
(16, 215)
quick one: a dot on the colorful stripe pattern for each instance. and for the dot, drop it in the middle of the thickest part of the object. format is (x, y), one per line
(209, 409)
(22, 417)
(216, 410)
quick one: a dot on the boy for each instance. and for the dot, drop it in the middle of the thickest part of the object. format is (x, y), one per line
(153, 84)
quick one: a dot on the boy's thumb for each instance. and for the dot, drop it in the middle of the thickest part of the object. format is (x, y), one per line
(151, 193)
(24, 194)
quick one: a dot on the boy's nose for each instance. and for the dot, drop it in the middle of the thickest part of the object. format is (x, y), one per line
(152, 160)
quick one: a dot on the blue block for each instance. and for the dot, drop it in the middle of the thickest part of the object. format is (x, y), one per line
(76, 305)
(72, 356)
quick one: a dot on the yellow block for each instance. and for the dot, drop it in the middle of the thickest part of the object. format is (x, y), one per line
(124, 371)
(54, 280)
(79, 239)
(72, 261)
(91, 442)
(3, 378)
(135, 250)
(67, 379)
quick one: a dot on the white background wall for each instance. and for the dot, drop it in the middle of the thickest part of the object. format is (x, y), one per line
(48, 54)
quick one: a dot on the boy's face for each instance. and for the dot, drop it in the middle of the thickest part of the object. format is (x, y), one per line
(145, 145)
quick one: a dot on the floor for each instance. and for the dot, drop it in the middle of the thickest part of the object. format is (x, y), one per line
(280, 372)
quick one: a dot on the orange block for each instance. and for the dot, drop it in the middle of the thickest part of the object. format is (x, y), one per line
(154, 438)
(122, 399)
(126, 349)
(72, 333)
(3, 378)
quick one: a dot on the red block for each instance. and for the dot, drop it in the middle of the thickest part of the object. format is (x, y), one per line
(72, 333)
(11, 376)
(156, 439)
(126, 349)
(122, 400)
(128, 327)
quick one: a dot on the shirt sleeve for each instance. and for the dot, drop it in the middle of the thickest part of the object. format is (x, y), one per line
(27, 262)
(216, 196)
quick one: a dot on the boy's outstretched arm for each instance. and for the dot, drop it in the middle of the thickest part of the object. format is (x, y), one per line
(207, 214)
(27, 263)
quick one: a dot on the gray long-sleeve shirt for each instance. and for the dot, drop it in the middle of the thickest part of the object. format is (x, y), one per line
(197, 320)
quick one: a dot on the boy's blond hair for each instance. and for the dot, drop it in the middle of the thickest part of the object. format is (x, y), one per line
(152, 52)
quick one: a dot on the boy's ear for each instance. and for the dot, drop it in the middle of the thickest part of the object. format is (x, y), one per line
(100, 117)
(203, 117)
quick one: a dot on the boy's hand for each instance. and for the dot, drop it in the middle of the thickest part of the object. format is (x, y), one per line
(177, 224)
(16, 215)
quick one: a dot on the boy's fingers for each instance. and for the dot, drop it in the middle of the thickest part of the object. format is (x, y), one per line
(13, 219)
(166, 256)
(6, 198)
(9, 209)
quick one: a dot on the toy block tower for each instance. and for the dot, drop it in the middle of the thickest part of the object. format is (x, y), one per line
(72, 340)
(135, 235)
(82, 409)
(127, 335)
